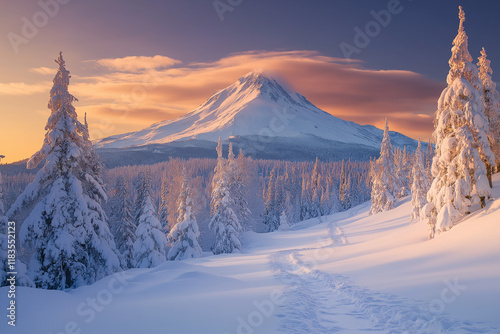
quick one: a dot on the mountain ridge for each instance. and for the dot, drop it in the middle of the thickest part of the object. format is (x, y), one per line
(257, 113)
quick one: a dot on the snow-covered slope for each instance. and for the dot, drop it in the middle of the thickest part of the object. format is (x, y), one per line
(255, 105)
(344, 273)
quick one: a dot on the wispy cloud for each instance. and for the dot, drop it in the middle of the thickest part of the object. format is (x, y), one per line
(44, 70)
(137, 63)
(21, 88)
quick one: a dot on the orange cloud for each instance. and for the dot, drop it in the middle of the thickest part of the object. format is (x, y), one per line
(137, 63)
(21, 88)
(134, 92)
(44, 70)
(339, 86)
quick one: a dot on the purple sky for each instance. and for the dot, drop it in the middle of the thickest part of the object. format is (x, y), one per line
(200, 53)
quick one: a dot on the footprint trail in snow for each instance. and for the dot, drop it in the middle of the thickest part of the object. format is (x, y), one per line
(319, 302)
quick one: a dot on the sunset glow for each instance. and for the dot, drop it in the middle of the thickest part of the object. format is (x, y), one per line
(123, 89)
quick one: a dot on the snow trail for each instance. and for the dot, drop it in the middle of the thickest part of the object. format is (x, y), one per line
(319, 302)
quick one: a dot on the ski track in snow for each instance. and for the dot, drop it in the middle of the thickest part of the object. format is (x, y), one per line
(319, 302)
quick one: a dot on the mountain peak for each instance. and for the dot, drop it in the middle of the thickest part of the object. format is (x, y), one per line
(259, 84)
(254, 74)
(254, 105)
(256, 79)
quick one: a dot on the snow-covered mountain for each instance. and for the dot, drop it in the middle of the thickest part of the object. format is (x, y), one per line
(259, 109)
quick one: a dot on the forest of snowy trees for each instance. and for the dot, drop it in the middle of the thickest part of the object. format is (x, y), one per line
(79, 222)
(466, 136)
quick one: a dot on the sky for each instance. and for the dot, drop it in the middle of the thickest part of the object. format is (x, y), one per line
(134, 63)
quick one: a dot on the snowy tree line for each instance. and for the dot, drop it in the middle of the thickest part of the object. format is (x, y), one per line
(301, 190)
(173, 210)
(13, 185)
(267, 185)
(398, 173)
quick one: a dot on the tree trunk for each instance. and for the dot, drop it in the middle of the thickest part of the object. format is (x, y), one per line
(489, 169)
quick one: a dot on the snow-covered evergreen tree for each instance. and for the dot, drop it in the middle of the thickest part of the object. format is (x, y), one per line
(224, 222)
(325, 204)
(220, 172)
(491, 100)
(420, 186)
(125, 227)
(305, 199)
(183, 238)
(62, 222)
(316, 190)
(284, 225)
(280, 194)
(290, 208)
(345, 188)
(237, 186)
(462, 146)
(385, 184)
(292, 194)
(163, 210)
(271, 213)
(335, 205)
(428, 160)
(149, 247)
(402, 162)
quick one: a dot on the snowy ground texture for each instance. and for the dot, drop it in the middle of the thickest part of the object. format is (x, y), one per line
(344, 273)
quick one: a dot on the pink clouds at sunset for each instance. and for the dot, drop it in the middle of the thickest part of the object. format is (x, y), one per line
(146, 94)
(129, 93)
(134, 63)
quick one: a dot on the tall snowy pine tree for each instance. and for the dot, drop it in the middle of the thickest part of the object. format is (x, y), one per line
(237, 186)
(271, 212)
(402, 160)
(420, 185)
(224, 222)
(292, 195)
(183, 238)
(62, 222)
(491, 100)
(345, 188)
(163, 211)
(125, 227)
(149, 247)
(429, 155)
(316, 190)
(385, 184)
(462, 147)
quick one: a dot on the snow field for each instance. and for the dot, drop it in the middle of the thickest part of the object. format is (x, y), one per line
(344, 273)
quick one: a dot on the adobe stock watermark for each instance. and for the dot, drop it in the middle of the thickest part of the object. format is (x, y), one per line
(12, 273)
(448, 295)
(30, 26)
(88, 310)
(263, 310)
(363, 37)
(223, 6)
